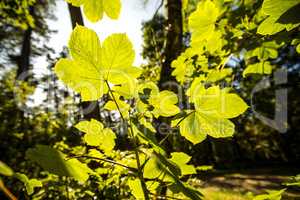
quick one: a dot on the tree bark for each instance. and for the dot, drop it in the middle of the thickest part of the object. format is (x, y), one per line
(76, 16)
(174, 41)
(23, 61)
(90, 108)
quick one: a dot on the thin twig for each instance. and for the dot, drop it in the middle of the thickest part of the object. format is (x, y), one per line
(140, 173)
(158, 8)
(114, 99)
(139, 169)
(7, 192)
(105, 160)
(164, 139)
(184, 118)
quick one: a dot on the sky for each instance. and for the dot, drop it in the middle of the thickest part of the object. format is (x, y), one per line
(133, 13)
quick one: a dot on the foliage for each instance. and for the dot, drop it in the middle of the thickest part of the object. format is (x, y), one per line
(104, 71)
(272, 195)
(94, 9)
(17, 13)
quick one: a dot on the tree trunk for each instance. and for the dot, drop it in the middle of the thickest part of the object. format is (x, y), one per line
(90, 108)
(23, 60)
(76, 16)
(174, 41)
(172, 50)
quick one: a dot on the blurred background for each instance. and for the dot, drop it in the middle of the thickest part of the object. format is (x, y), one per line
(40, 110)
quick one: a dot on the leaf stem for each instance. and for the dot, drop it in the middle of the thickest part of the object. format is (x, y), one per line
(184, 118)
(138, 163)
(114, 99)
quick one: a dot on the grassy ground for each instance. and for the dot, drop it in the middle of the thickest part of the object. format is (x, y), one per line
(244, 185)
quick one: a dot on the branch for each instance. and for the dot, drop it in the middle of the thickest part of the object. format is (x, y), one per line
(114, 99)
(138, 163)
(7, 192)
(158, 8)
(106, 160)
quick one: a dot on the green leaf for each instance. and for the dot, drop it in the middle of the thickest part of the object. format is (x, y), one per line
(202, 21)
(183, 65)
(283, 14)
(216, 75)
(164, 104)
(84, 45)
(278, 7)
(196, 126)
(83, 73)
(158, 103)
(123, 106)
(29, 184)
(97, 135)
(159, 167)
(216, 127)
(5, 170)
(181, 159)
(272, 195)
(270, 27)
(117, 52)
(92, 64)
(136, 188)
(190, 128)
(55, 162)
(220, 103)
(112, 8)
(214, 106)
(258, 68)
(152, 169)
(94, 9)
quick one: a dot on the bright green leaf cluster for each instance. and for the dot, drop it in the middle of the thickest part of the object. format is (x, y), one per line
(93, 66)
(213, 108)
(94, 9)
(158, 103)
(96, 135)
(30, 184)
(282, 14)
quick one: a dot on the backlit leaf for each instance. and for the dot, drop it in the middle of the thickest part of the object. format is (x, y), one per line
(29, 184)
(136, 188)
(97, 135)
(282, 14)
(214, 106)
(56, 162)
(164, 104)
(94, 9)
(258, 68)
(5, 170)
(93, 65)
(202, 21)
(181, 159)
